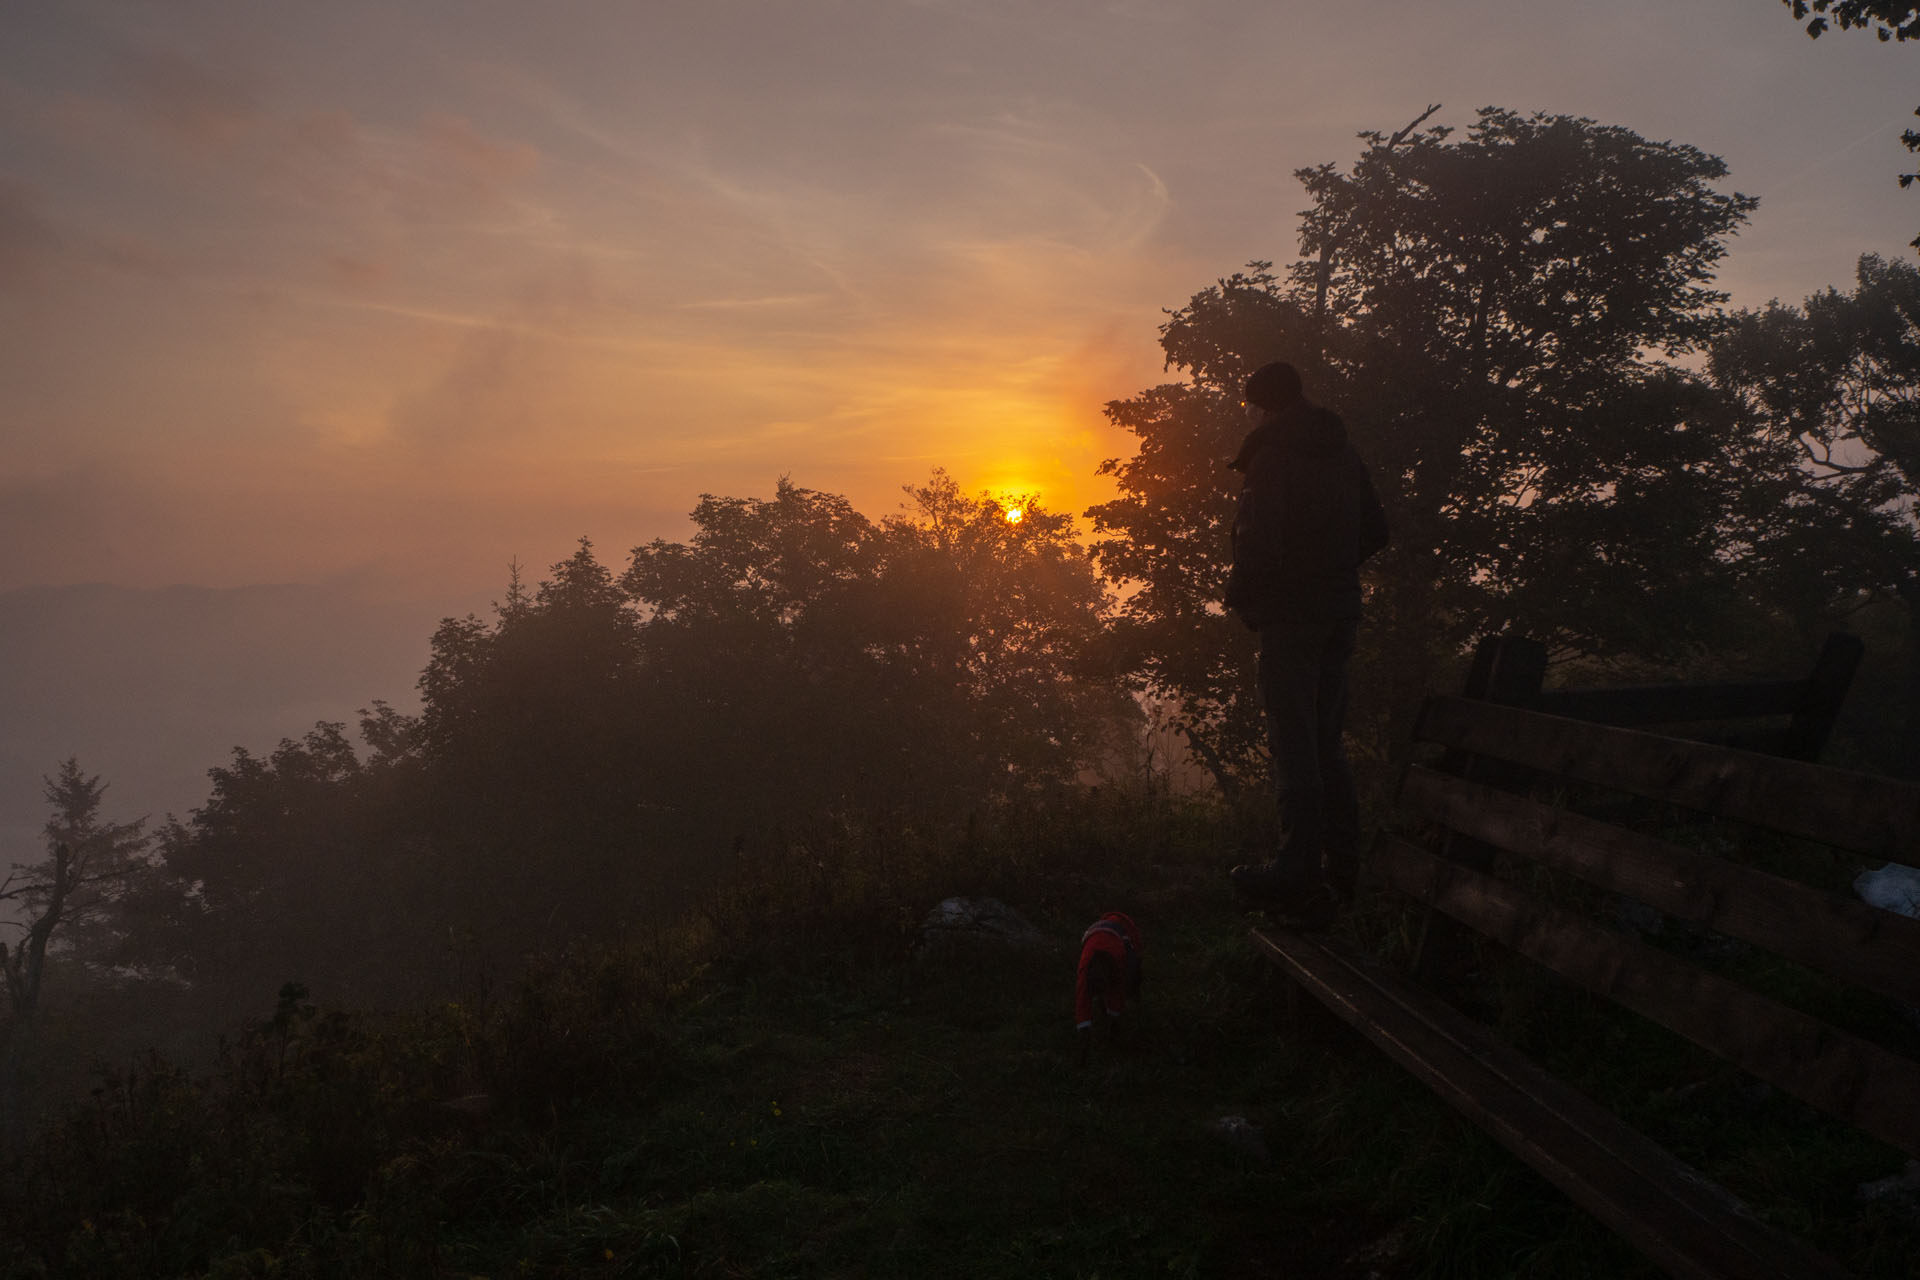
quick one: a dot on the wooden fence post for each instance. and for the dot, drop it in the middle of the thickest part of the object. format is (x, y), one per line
(1507, 669)
(1826, 688)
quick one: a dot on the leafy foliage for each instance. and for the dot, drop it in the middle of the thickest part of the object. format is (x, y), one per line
(948, 655)
(604, 745)
(69, 900)
(772, 1088)
(1833, 386)
(296, 864)
(101, 859)
(1891, 19)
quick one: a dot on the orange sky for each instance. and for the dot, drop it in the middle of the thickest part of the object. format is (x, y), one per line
(399, 293)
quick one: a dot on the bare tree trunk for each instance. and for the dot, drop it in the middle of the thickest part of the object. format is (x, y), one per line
(23, 970)
(13, 1113)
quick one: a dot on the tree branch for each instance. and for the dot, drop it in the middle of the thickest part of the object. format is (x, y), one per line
(1325, 272)
(1407, 132)
(1209, 757)
(42, 931)
(1825, 459)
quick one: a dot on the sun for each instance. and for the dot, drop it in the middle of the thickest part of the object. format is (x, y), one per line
(1014, 515)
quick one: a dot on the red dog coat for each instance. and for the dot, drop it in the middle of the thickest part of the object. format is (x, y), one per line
(1116, 938)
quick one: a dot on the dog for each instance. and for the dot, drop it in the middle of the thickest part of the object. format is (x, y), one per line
(1109, 976)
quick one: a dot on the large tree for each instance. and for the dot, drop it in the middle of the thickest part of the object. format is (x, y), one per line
(541, 743)
(998, 602)
(935, 659)
(1500, 317)
(297, 867)
(503, 818)
(757, 626)
(1835, 384)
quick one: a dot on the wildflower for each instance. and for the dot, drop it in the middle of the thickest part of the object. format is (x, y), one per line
(608, 1254)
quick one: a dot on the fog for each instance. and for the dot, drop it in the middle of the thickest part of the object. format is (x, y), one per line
(151, 688)
(741, 331)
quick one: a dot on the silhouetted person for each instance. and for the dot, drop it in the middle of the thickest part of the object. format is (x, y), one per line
(1308, 517)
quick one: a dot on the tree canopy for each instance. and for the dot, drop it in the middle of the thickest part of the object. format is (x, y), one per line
(1834, 386)
(1890, 19)
(946, 652)
(604, 741)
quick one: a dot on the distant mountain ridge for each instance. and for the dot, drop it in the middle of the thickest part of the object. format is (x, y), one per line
(152, 687)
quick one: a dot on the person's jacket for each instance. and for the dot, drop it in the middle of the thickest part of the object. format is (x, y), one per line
(1308, 518)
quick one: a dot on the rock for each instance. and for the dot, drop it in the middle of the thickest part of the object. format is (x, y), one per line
(1892, 888)
(1236, 1132)
(961, 924)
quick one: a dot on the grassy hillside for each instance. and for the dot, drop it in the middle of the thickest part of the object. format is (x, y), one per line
(777, 1089)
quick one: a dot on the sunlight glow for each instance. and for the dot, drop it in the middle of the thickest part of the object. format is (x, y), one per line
(1015, 515)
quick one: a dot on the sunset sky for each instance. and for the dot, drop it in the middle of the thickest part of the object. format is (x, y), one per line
(396, 292)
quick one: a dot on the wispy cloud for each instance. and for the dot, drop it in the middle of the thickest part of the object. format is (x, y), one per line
(201, 106)
(27, 239)
(769, 302)
(384, 277)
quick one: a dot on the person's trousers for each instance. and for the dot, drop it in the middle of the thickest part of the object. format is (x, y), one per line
(1303, 685)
